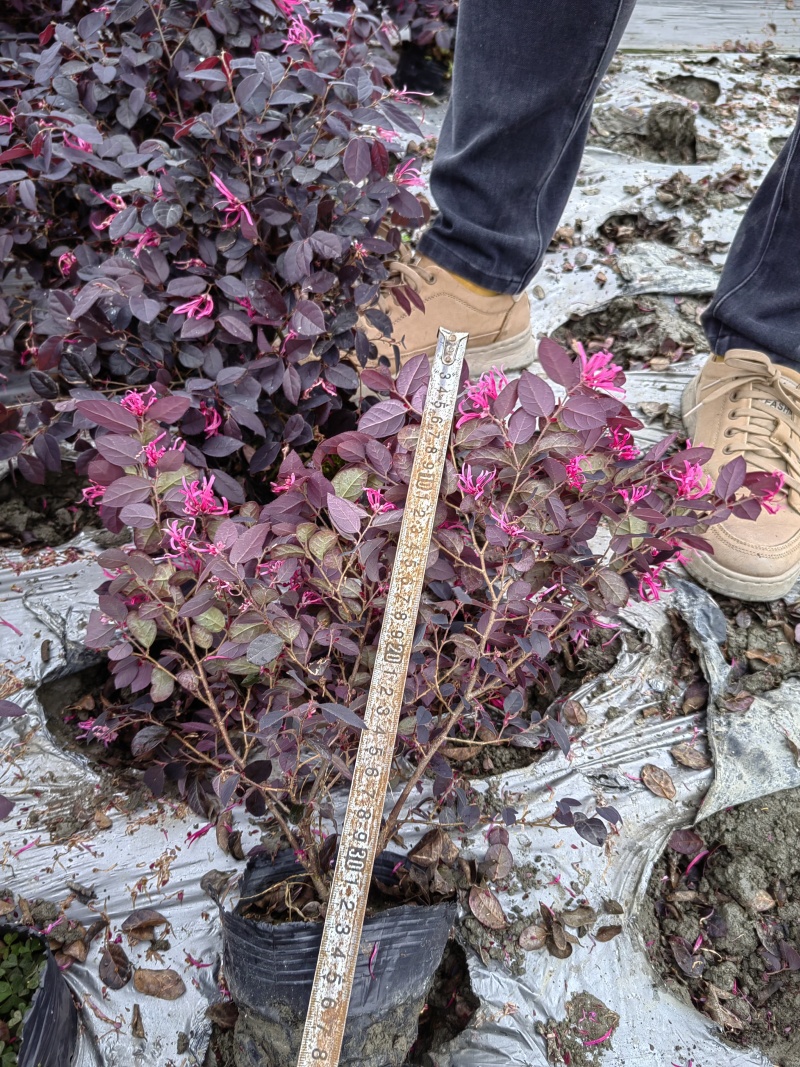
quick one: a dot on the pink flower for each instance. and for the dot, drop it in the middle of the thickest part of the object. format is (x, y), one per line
(199, 498)
(199, 308)
(622, 444)
(308, 598)
(287, 6)
(408, 175)
(248, 307)
(487, 388)
(213, 419)
(299, 34)
(66, 263)
(7, 121)
(475, 486)
(139, 403)
(151, 452)
(286, 484)
(769, 497)
(506, 525)
(633, 496)
(691, 481)
(76, 142)
(576, 479)
(235, 209)
(116, 203)
(148, 239)
(179, 542)
(329, 389)
(377, 503)
(598, 371)
(93, 493)
(651, 586)
(387, 135)
(92, 732)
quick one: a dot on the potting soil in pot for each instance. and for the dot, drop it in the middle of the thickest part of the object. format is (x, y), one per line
(269, 968)
(722, 922)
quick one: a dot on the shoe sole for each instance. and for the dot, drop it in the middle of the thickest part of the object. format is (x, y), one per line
(513, 354)
(705, 569)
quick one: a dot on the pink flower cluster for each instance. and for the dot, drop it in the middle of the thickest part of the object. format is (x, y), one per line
(199, 498)
(199, 308)
(576, 479)
(633, 496)
(66, 263)
(299, 34)
(507, 525)
(285, 485)
(691, 481)
(377, 503)
(212, 418)
(139, 403)
(235, 210)
(622, 444)
(599, 371)
(409, 175)
(93, 732)
(475, 485)
(480, 395)
(93, 494)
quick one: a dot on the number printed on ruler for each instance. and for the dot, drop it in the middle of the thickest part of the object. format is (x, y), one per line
(327, 1012)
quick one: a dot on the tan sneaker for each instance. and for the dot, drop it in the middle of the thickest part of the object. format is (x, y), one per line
(745, 405)
(499, 326)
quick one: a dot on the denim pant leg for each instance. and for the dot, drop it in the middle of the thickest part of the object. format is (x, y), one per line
(757, 303)
(525, 76)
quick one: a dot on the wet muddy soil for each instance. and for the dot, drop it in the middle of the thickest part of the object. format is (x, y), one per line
(32, 516)
(722, 922)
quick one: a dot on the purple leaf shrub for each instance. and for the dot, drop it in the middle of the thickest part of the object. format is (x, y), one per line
(241, 637)
(199, 198)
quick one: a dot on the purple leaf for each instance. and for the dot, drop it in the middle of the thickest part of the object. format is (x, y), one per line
(357, 160)
(559, 735)
(610, 814)
(557, 364)
(148, 739)
(138, 516)
(249, 544)
(308, 320)
(521, 427)
(11, 444)
(119, 449)
(535, 395)
(383, 419)
(10, 710)
(414, 375)
(237, 325)
(591, 830)
(583, 413)
(731, 477)
(108, 415)
(6, 807)
(129, 489)
(343, 714)
(169, 409)
(345, 516)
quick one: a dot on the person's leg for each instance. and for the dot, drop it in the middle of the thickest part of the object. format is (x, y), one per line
(525, 76)
(746, 400)
(757, 303)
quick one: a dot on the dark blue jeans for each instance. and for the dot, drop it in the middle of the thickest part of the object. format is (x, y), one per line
(525, 77)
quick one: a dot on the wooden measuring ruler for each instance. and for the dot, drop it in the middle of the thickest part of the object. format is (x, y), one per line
(341, 936)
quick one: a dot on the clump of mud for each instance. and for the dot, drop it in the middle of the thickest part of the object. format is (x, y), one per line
(761, 647)
(582, 1038)
(652, 330)
(667, 133)
(36, 515)
(722, 922)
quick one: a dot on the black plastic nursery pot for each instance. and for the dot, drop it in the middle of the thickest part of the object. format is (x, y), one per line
(270, 970)
(50, 1028)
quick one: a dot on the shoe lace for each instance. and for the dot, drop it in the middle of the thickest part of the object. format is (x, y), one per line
(767, 404)
(406, 271)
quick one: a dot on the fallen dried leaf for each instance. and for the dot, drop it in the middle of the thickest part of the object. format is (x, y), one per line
(761, 901)
(575, 713)
(498, 863)
(77, 950)
(613, 907)
(686, 842)
(141, 923)
(137, 1026)
(658, 781)
(720, 1015)
(580, 916)
(486, 908)
(558, 935)
(689, 757)
(460, 753)
(102, 821)
(115, 968)
(607, 933)
(166, 984)
(224, 1013)
(559, 952)
(691, 965)
(533, 937)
